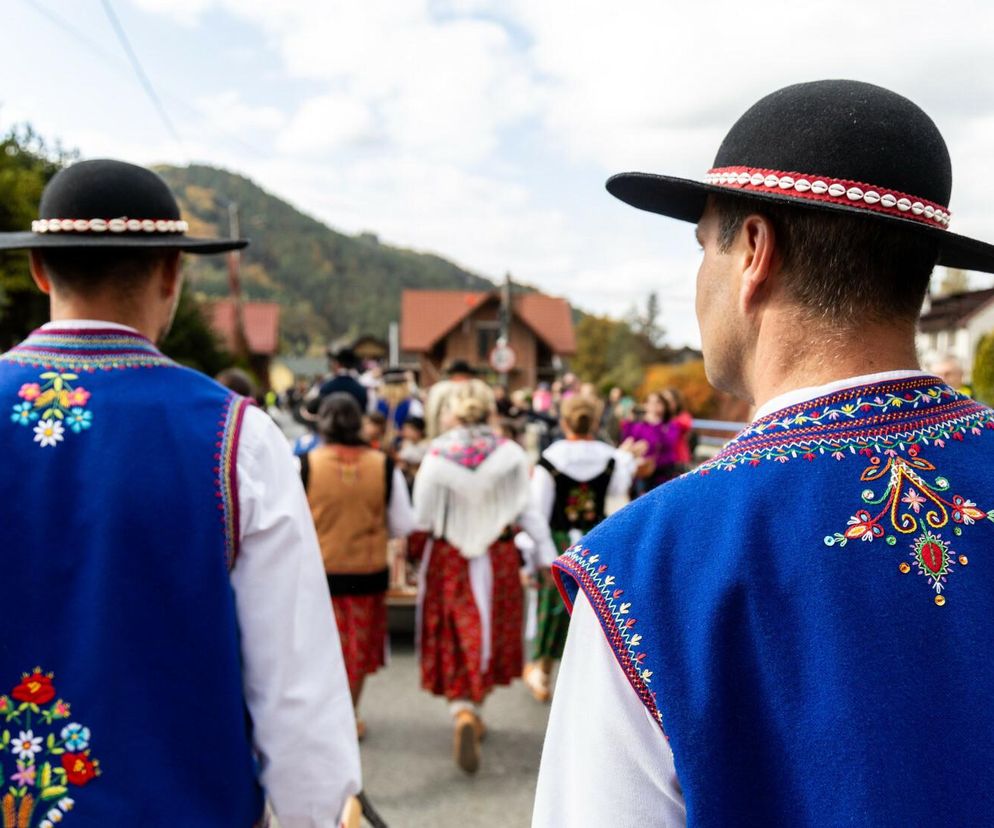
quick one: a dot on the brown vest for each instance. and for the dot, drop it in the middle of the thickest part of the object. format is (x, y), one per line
(346, 489)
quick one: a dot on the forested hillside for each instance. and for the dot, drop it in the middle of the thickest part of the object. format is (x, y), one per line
(330, 284)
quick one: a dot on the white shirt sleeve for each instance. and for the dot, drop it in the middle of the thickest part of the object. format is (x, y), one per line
(624, 470)
(537, 528)
(605, 760)
(543, 492)
(400, 513)
(293, 674)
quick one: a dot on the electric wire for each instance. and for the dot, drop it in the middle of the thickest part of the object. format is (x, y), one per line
(143, 79)
(116, 61)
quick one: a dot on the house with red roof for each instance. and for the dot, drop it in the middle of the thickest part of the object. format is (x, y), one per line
(439, 327)
(261, 326)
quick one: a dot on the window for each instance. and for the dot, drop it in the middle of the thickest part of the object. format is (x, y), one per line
(487, 334)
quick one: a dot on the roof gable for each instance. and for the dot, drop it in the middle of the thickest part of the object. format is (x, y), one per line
(954, 311)
(426, 316)
(262, 325)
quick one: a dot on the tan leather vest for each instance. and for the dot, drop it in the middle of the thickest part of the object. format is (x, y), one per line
(346, 490)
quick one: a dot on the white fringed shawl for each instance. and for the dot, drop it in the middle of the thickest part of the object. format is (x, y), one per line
(470, 487)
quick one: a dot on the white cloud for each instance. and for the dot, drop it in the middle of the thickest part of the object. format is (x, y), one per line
(326, 123)
(185, 12)
(227, 112)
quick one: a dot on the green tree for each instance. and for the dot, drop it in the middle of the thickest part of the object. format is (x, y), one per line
(608, 353)
(983, 370)
(191, 342)
(26, 165)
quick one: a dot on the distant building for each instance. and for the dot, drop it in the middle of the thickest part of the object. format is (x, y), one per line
(262, 331)
(954, 325)
(371, 348)
(438, 327)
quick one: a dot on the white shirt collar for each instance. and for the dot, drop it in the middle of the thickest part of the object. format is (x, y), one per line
(799, 395)
(86, 324)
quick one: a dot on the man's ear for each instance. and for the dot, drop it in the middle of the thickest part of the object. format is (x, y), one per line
(38, 273)
(171, 274)
(756, 247)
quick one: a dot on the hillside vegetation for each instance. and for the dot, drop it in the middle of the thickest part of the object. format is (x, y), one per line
(330, 284)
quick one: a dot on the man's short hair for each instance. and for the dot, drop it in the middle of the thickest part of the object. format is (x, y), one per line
(84, 270)
(842, 268)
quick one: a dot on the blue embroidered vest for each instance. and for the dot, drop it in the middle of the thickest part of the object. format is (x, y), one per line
(810, 616)
(120, 682)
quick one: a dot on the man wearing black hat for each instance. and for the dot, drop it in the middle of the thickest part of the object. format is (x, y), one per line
(344, 364)
(799, 631)
(166, 632)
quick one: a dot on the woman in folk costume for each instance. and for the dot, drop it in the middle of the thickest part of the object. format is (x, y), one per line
(471, 492)
(659, 437)
(570, 485)
(358, 501)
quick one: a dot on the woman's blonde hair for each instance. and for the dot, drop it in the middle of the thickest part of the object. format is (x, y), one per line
(581, 413)
(471, 402)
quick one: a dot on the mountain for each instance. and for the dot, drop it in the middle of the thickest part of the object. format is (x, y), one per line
(330, 284)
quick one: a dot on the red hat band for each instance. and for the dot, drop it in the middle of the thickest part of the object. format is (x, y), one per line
(855, 194)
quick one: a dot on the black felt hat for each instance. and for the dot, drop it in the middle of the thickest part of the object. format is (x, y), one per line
(104, 203)
(836, 145)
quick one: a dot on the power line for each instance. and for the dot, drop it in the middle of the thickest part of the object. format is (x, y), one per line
(72, 31)
(140, 73)
(116, 61)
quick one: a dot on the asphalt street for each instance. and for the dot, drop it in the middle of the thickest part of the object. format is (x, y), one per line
(408, 771)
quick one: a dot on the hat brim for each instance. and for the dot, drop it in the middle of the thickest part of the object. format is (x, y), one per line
(685, 199)
(27, 240)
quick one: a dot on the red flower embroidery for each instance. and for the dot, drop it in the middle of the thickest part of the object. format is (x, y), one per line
(35, 689)
(80, 769)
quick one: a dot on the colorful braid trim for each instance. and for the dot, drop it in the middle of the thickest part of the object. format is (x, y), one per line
(867, 420)
(604, 594)
(86, 350)
(225, 472)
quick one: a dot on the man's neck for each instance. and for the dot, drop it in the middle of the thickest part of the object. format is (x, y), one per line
(63, 309)
(784, 363)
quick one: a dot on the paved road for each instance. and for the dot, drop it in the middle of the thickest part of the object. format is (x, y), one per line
(407, 754)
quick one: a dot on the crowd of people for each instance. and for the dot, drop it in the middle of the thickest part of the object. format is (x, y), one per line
(477, 491)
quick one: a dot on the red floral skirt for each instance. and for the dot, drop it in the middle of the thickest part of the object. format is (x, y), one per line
(451, 633)
(362, 628)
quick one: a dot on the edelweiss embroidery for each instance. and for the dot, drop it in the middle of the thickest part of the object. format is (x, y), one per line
(52, 405)
(912, 507)
(39, 757)
(605, 595)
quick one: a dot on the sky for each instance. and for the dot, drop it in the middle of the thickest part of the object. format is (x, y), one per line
(483, 130)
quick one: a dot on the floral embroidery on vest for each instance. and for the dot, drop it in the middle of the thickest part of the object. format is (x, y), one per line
(912, 507)
(894, 416)
(53, 405)
(40, 758)
(581, 504)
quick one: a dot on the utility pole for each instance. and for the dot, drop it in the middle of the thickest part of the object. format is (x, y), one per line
(235, 285)
(505, 308)
(501, 352)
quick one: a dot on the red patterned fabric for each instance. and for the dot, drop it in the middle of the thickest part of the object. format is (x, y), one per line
(451, 634)
(362, 628)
